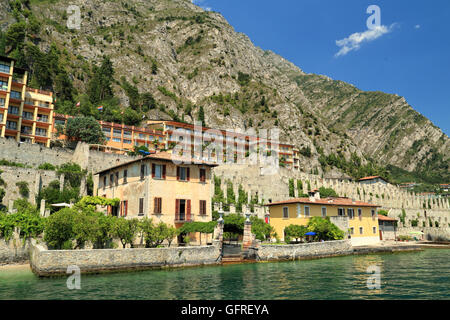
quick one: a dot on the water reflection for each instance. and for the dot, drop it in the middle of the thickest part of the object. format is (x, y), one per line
(422, 275)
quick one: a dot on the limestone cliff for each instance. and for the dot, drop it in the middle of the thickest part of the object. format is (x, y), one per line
(202, 61)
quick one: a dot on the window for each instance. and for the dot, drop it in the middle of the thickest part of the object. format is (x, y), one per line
(141, 206)
(125, 176)
(360, 230)
(44, 104)
(117, 140)
(157, 205)
(111, 180)
(42, 118)
(13, 110)
(352, 230)
(1, 117)
(27, 115)
(158, 171)
(5, 68)
(351, 213)
(341, 212)
(41, 132)
(2, 102)
(11, 125)
(373, 214)
(127, 141)
(285, 213)
(60, 122)
(124, 208)
(117, 178)
(4, 83)
(306, 211)
(25, 130)
(360, 213)
(16, 95)
(298, 210)
(117, 133)
(104, 182)
(183, 173)
(142, 171)
(203, 207)
(182, 210)
(324, 211)
(29, 101)
(106, 131)
(202, 175)
(374, 230)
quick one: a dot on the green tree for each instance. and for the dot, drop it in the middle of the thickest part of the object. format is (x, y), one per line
(59, 229)
(324, 229)
(100, 85)
(327, 192)
(85, 129)
(294, 231)
(291, 188)
(125, 230)
(201, 116)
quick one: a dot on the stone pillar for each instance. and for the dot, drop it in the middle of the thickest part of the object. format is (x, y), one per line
(83, 188)
(42, 208)
(247, 240)
(11, 206)
(61, 182)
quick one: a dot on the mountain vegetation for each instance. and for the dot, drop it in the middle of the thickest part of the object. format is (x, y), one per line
(169, 59)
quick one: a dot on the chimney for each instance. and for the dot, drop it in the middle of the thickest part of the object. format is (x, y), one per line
(314, 195)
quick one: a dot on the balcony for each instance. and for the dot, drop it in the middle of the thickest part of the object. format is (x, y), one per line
(184, 217)
(42, 119)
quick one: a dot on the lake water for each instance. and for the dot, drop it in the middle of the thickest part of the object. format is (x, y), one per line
(415, 275)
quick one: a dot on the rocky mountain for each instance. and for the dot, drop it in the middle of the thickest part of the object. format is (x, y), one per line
(188, 58)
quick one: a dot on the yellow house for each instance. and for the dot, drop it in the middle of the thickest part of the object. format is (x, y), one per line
(358, 218)
(158, 186)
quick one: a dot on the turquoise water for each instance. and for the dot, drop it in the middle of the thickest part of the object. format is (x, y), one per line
(415, 275)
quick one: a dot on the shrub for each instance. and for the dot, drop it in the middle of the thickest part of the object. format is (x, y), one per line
(324, 229)
(46, 166)
(294, 231)
(23, 188)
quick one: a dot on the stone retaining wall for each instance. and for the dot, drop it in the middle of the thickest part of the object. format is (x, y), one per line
(55, 262)
(13, 251)
(304, 251)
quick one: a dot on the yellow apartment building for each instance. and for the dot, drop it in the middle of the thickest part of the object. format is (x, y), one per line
(156, 187)
(359, 217)
(26, 114)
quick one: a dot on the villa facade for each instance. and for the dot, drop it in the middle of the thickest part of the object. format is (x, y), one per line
(359, 218)
(155, 187)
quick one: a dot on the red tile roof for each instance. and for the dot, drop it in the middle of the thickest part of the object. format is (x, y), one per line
(384, 218)
(165, 156)
(327, 201)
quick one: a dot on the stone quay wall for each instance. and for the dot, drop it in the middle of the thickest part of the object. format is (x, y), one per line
(303, 251)
(47, 263)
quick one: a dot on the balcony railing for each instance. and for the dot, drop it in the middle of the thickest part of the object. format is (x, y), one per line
(42, 119)
(184, 217)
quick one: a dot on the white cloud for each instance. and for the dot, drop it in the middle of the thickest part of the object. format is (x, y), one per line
(354, 41)
(417, 26)
(202, 4)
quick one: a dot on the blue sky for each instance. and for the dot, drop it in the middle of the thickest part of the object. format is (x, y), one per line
(409, 54)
